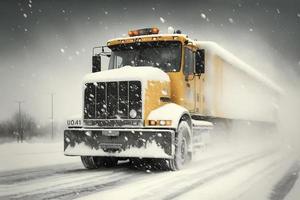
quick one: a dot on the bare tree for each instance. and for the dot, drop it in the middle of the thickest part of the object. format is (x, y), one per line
(21, 126)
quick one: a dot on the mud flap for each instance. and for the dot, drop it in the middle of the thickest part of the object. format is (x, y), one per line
(119, 143)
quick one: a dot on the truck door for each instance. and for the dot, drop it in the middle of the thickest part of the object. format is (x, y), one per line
(189, 86)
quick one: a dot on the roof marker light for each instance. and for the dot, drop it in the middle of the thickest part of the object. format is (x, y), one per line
(145, 31)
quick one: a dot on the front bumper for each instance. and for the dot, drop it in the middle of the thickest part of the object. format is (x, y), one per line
(141, 143)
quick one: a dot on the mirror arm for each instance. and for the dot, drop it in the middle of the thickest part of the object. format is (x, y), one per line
(186, 77)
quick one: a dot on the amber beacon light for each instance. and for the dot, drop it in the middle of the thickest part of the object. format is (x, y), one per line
(145, 31)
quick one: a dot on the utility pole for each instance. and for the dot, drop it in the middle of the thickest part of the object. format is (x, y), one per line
(52, 118)
(20, 134)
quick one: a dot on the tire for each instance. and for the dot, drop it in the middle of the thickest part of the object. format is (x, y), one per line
(90, 162)
(93, 162)
(181, 156)
(162, 164)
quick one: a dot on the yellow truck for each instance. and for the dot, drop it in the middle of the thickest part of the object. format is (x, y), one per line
(160, 95)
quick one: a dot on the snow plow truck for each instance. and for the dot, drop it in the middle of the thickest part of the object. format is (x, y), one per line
(159, 96)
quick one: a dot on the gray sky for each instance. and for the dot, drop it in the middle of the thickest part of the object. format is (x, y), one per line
(45, 46)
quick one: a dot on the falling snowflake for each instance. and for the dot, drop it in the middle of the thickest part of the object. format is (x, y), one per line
(250, 29)
(298, 14)
(230, 20)
(162, 20)
(62, 50)
(153, 9)
(278, 11)
(25, 29)
(77, 53)
(203, 16)
(171, 30)
(29, 5)
(105, 12)
(25, 15)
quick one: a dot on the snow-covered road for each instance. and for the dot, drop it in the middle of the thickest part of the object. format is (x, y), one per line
(236, 172)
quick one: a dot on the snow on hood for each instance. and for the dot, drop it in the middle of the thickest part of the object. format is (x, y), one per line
(128, 73)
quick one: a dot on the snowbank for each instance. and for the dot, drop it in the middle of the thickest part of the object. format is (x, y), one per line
(27, 155)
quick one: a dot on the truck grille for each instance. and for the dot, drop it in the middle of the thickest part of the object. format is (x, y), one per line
(112, 100)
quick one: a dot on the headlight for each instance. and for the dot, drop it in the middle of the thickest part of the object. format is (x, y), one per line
(132, 114)
(152, 122)
(164, 122)
(160, 122)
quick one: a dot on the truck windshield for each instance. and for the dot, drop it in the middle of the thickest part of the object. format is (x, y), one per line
(165, 55)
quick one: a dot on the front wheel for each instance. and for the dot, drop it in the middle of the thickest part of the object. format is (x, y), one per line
(93, 162)
(181, 147)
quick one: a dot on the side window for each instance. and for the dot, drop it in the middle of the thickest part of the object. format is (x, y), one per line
(116, 61)
(189, 61)
(119, 61)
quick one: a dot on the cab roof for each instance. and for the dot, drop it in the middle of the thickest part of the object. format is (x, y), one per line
(148, 38)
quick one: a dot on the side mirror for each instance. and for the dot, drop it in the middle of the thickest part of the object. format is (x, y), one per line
(96, 63)
(200, 61)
